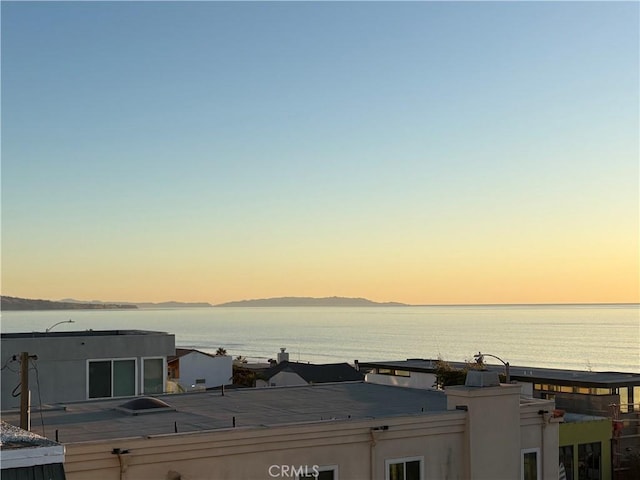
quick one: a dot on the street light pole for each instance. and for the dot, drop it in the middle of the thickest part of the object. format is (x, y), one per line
(480, 357)
(25, 394)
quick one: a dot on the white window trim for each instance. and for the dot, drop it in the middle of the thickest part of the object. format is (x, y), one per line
(326, 468)
(113, 359)
(391, 461)
(164, 377)
(538, 462)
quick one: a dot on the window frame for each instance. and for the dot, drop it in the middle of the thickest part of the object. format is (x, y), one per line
(164, 376)
(325, 468)
(392, 461)
(583, 446)
(111, 362)
(571, 469)
(535, 450)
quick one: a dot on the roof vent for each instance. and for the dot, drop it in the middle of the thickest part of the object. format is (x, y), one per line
(283, 356)
(140, 405)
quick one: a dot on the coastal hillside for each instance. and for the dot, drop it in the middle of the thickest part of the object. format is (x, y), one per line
(15, 303)
(310, 302)
(148, 304)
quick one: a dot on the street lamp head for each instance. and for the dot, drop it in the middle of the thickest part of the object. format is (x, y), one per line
(65, 321)
(480, 359)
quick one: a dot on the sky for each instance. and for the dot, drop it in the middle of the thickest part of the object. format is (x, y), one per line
(419, 152)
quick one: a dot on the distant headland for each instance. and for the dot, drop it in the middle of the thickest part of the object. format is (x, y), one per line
(310, 302)
(15, 303)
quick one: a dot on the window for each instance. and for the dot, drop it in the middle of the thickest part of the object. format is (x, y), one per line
(323, 473)
(624, 400)
(530, 464)
(404, 469)
(201, 381)
(112, 378)
(153, 375)
(589, 461)
(566, 460)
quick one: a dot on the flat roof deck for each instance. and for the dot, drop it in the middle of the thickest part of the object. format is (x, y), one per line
(101, 420)
(524, 374)
(79, 333)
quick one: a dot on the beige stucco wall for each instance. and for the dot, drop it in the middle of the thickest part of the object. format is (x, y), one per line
(541, 430)
(500, 427)
(248, 453)
(483, 442)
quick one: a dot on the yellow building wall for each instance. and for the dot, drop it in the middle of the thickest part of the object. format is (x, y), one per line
(592, 431)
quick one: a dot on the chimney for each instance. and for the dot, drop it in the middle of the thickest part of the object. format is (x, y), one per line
(492, 437)
(482, 378)
(283, 356)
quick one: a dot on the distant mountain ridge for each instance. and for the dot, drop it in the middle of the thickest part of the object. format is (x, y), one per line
(15, 303)
(310, 302)
(171, 304)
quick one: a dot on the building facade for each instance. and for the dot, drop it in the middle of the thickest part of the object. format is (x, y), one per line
(196, 370)
(585, 447)
(287, 374)
(346, 430)
(82, 365)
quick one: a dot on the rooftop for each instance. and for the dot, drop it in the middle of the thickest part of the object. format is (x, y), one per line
(318, 373)
(181, 352)
(79, 333)
(26, 455)
(523, 374)
(579, 418)
(12, 437)
(101, 420)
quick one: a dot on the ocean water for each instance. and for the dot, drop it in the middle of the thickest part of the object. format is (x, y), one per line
(583, 337)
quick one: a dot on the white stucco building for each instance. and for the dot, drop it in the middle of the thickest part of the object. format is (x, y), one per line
(196, 370)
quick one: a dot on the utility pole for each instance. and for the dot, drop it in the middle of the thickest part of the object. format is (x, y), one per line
(25, 394)
(25, 414)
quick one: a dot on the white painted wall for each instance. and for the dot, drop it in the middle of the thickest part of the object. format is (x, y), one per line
(216, 370)
(282, 379)
(416, 380)
(526, 388)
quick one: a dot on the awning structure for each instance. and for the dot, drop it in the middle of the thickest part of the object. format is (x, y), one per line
(51, 471)
(27, 456)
